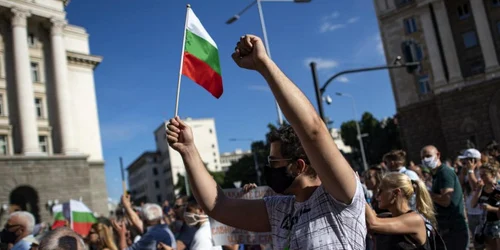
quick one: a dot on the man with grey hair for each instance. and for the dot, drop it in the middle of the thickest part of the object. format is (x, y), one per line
(156, 232)
(18, 230)
(62, 238)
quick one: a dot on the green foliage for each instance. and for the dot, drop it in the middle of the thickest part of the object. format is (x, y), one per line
(383, 136)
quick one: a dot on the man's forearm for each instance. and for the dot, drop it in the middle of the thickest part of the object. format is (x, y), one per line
(294, 104)
(442, 200)
(201, 182)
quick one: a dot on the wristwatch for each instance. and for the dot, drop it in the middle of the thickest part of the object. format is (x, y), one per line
(470, 171)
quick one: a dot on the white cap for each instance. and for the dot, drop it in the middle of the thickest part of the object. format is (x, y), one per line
(470, 153)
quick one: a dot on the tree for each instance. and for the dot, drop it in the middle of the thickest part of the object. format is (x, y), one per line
(181, 183)
(383, 136)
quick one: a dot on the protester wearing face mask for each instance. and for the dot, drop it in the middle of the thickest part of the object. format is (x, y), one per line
(446, 193)
(195, 217)
(18, 231)
(323, 205)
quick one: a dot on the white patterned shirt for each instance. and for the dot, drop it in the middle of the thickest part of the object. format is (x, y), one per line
(321, 222)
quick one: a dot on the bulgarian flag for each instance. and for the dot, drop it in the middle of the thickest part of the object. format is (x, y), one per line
(201, 56)
(73, 214)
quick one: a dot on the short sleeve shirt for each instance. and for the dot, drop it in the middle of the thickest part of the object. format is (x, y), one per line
(451, 217)
(321, 222)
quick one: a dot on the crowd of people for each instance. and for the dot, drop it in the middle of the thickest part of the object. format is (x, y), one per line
(321, 202)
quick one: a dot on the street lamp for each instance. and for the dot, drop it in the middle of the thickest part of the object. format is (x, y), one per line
(255, 159)
(320, 91)
(264, 32)
(359, 136)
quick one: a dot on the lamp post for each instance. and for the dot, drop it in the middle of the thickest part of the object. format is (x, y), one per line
(264, 33)
(359, 136)
(320, 91)
(255, 159)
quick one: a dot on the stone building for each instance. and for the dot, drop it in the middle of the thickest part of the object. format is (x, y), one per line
(50, 144)
(454, 96)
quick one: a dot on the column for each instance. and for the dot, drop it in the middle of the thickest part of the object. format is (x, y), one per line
(61, 86)
(448, 43)
(25, 97)
(432, 49)
(484, 35)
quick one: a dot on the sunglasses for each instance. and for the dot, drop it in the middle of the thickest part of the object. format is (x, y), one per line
(271, 160)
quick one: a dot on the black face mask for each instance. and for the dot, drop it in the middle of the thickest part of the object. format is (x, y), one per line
(278, 179)
(8, 236)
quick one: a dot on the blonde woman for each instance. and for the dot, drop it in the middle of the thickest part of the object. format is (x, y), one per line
(405, 228)
(101, 237)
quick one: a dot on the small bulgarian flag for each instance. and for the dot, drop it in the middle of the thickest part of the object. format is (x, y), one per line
(73, 214)
(201, 56)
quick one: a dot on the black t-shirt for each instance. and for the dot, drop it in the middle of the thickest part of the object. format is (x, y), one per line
(492, 199)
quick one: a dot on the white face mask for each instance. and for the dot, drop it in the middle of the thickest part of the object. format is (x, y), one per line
(430, 162)
(193, 219)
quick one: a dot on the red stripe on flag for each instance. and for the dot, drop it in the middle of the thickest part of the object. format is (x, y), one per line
(82, 228)
(58, 223)
(201, 73)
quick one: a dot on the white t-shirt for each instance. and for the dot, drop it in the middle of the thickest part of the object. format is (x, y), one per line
(202, 239)
(321, 222)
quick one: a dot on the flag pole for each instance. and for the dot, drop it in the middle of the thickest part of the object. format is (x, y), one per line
(124, 185)
(182, 61)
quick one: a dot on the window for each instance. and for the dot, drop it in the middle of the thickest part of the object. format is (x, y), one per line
(158, 198)
(495, 3)
(424, 86)
(35, 72)
(157, 184)
(470, 39)
(155, 171)
(412, 53)
(1, 106)
(210, 131)
(31, 40)
(213, 145)
(463, 11)
(39, 107)
(410, 25)
(43, 143)
(3, 145)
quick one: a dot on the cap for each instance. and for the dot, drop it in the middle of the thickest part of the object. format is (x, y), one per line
(470, 153)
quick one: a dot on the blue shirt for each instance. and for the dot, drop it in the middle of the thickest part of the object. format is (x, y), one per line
(154, 235)
(23, 244)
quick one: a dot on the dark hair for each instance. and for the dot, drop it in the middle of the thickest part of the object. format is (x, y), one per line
(192, 204)
(398, 156)
(291, 147)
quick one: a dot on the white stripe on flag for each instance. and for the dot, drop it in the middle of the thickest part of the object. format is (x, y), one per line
(194, 25)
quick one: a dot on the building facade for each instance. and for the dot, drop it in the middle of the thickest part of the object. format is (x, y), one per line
(227, 159)
(50, 144)
(337, 138)
(453, 97)
(170, 161)
(150, 180)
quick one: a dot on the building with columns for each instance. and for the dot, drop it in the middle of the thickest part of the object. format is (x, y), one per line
(50, 145)
(454, 96)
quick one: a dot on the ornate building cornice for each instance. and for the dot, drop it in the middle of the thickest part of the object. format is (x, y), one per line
(83, 59)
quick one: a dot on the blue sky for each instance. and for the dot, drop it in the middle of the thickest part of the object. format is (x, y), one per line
(141, 43)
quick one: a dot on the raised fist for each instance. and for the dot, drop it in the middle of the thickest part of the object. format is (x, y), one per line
(250, 52)
(179, 135)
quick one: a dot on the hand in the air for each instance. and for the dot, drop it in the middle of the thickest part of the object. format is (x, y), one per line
(249, 52)
(249, 187)
(179, 135)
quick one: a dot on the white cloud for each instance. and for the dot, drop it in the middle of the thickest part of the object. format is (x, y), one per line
(343, 79)
(353, 20)
(261, 88)
(379, 45)
(327, 26)
(321, 63)
(334, 15)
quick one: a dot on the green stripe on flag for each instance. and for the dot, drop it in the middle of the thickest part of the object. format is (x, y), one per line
(59, 216)
(83, 217)
(203, 50)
